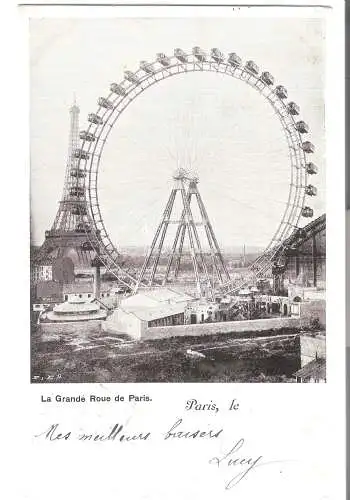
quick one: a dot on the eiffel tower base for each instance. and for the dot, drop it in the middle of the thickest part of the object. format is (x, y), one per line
(70, 244)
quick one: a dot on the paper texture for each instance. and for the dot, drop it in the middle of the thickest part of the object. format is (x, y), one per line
(185, 269)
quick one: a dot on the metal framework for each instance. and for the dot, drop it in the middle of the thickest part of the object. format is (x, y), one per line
(73, 202)
(187, 186)
(123, 94)
(72, 220)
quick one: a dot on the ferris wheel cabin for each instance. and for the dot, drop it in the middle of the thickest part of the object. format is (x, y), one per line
(117, 89)
(163, 59)
(281, 92)
(308, 147)
(307, 212)
(252, 67)
(94, 118)
(86, 136)
(131, 77)
(104, 103)
(234, 59)
(217, 55)
(267, 78)
(311, 168)
(311, 190)
(180, 55)
(77, 172)
(79, 153)
(293, 108)
(302, 127)
(199, 54)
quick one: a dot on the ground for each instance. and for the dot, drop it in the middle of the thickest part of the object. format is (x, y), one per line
(102, 357)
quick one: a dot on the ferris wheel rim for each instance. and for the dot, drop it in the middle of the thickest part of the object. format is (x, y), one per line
(296, 196)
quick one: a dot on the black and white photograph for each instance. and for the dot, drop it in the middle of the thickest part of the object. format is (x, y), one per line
(178, 199)
(174, 262)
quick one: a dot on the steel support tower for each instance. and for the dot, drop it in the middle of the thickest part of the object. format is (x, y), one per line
(68, 234)
(208, 265)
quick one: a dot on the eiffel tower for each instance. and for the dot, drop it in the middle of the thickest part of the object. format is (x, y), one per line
(208, 265)
(67, 236)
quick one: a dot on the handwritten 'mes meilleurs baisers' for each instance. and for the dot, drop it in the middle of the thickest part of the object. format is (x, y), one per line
(119, 433)
(234, 459)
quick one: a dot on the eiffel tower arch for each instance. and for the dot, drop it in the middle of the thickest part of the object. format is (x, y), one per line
(68, 238)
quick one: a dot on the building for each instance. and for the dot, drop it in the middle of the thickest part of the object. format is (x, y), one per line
(201, 311)
(41, 269)
(147, 309)
(156, 297)
(50, 293)
(108, 294)
(73, 312)
(301, 264)
(135, 320)
(45, 294)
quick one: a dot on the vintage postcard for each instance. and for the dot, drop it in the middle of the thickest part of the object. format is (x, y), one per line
(183, 253)
(180, 221)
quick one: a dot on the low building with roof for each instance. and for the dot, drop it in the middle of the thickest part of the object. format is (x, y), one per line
(108, 294)
(147, 309)
(201, 311)
(134, 321)
(48, 293)
(45, 294)
(74, 312)
(154, 297)
(299, 273)
(85, 290)
(300, 265)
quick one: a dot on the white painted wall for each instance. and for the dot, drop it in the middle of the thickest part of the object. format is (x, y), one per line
(122, 322)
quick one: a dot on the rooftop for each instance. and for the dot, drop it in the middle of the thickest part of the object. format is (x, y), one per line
(74, 307)
(313, 227)
(85, 287)
(165, 295)
(151, 313)
(156, 298)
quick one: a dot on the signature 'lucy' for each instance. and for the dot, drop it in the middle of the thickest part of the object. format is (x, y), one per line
(243, 464)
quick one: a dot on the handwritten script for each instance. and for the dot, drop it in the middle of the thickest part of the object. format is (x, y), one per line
(235, 459)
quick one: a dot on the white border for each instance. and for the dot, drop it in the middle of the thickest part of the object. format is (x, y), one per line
(20, 395)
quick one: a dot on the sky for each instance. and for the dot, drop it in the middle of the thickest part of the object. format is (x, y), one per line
(214, 124)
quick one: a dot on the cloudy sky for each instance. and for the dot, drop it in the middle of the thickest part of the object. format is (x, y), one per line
(219, 125)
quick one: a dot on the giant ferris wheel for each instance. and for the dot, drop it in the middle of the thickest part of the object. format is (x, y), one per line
(122, 94)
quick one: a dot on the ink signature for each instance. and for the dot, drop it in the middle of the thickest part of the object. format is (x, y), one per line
(242, 464)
